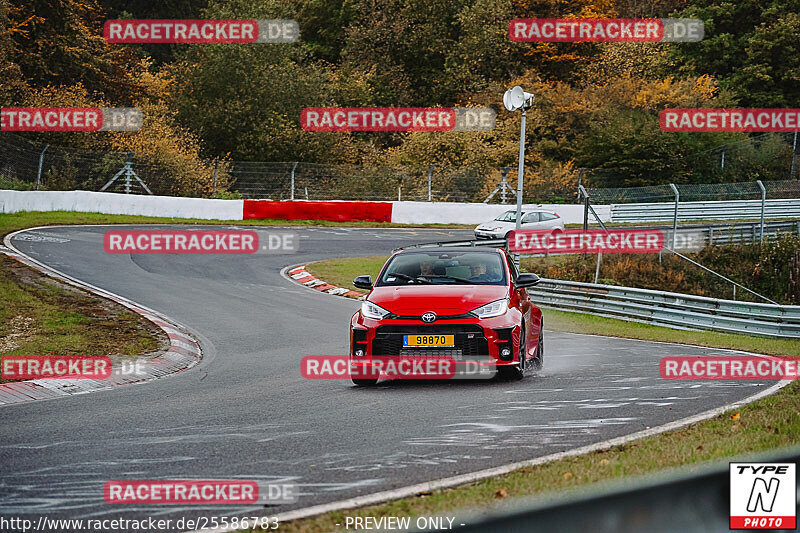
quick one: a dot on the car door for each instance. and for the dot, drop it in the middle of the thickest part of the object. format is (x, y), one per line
(549, 221)
(520, 295)
(531, 221)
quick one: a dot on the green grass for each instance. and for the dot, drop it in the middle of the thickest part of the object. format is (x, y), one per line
(27, 219)
(340, 272)
(766, 424)
(41, 316)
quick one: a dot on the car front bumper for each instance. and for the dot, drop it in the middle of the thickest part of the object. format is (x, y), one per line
(475, 339)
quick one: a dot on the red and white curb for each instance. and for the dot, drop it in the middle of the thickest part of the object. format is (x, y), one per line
(184, 351)
(300, 275)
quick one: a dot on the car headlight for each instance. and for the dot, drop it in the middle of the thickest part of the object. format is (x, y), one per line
(496, 308)
(370, 310)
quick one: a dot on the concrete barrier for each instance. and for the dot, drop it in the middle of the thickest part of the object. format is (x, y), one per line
(207, 209)
(120, 204)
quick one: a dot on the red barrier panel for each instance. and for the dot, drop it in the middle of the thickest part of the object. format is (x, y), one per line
(301, 210)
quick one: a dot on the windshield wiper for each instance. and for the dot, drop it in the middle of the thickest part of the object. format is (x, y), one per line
(407, 278)
(460, 280)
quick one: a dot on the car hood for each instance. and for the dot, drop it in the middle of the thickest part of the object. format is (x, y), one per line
(441, 299)
(496, 224)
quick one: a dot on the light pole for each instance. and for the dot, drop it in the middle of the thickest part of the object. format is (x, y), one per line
(517, 99)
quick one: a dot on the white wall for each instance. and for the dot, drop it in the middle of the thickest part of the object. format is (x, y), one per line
(120, 204)
(455, 213)
(165, 206)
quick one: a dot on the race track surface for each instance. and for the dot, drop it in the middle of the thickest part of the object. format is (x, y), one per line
(246, 413)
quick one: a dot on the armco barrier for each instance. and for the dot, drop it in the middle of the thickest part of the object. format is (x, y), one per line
(305, 210)
(669, 309)
(458, 213)
(720, 210)
(696, 500)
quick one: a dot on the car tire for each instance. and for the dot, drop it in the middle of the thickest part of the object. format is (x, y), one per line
(364, 382)
(538, 361)
(516, 373)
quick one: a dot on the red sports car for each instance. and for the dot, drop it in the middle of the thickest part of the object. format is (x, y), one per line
(449, 301)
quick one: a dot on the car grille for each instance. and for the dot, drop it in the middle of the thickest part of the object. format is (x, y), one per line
(389, 340)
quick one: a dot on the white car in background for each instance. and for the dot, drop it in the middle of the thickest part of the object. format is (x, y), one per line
(531, 219)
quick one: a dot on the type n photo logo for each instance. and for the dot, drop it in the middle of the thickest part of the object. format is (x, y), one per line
(763, 496)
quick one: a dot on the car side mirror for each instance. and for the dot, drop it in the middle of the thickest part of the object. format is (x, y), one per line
(526, 280)
(363, 282)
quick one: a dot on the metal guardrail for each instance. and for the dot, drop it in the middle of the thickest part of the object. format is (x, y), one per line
(745, 233)
(718, 210)
(698, 501)
(675, 310)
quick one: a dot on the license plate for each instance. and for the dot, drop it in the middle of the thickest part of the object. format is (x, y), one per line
(429, 340)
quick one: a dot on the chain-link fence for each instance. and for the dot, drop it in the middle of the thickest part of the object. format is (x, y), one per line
(696, 192)
(310, 181)
(30, 165)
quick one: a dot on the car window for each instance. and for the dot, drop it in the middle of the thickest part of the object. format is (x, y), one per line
(548, 216)
(512, 267)
(508, 216)
(439, 267)
(531, 217)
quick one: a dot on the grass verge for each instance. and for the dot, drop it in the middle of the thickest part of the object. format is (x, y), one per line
(42, 316)
(769, 423)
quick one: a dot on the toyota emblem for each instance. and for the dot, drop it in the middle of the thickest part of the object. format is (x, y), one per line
(429, 316)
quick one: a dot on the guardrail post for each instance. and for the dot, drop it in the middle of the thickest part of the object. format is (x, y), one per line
(597, 268)
(41, 162)
(582, 192)
(291, 194)
(675, 216)
(216, 161)
(430, 175)
(763, 201)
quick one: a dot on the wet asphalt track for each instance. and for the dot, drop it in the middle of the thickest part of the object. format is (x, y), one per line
(246, 413)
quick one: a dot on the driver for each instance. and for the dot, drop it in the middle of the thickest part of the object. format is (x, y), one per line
(478, 272)
(426, 268)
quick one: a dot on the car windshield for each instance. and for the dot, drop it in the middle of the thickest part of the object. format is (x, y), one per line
(444, 268)
(508, 216)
